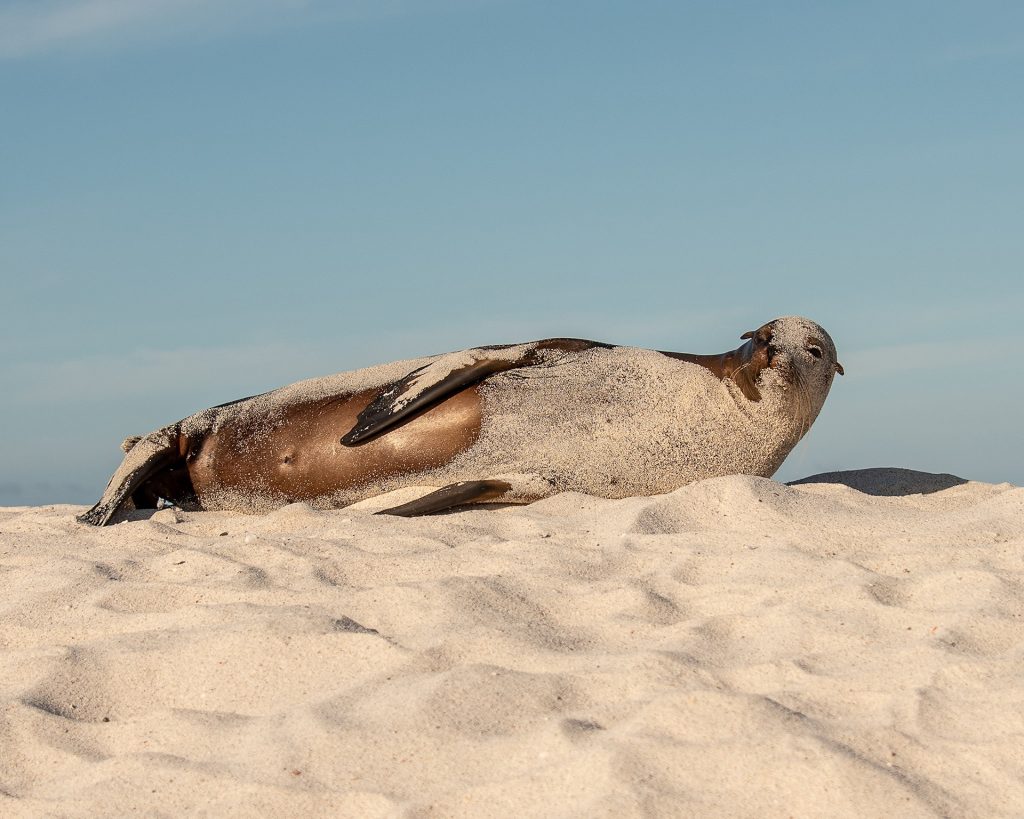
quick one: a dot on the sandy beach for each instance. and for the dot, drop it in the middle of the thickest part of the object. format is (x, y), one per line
(850, 646)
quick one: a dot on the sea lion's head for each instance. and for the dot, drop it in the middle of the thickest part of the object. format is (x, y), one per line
(795, 356)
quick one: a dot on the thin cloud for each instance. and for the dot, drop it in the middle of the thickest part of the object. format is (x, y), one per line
(150, 372)
(29, 27)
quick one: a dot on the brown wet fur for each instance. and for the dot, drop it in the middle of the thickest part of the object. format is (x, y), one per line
(302, 457)
(743, 365)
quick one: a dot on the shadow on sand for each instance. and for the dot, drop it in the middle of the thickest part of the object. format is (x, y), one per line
(887, 480)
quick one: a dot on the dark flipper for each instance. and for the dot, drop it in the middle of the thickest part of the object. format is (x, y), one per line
(446, 376)
(401, 400)
(145, 458)
(446, 497)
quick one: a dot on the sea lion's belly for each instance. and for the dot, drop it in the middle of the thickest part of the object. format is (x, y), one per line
(295, 453)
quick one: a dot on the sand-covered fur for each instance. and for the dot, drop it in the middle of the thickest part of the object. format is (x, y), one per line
(553, 416)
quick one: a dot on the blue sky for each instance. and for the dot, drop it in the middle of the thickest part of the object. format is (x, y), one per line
(204, 199)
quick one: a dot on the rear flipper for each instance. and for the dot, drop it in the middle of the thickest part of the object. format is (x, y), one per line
(143, 459)
(509, 488)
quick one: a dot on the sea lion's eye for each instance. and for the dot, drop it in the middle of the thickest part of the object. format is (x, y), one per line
(815, 351)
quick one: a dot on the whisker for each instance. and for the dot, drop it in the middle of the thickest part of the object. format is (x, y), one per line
(738, 370)
(805, 403)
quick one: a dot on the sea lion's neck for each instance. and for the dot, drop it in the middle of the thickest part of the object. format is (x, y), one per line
(742, 365)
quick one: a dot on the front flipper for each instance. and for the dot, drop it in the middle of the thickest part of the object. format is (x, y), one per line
(143, 459)
(446, 376)
(456, 494)
(509, 488)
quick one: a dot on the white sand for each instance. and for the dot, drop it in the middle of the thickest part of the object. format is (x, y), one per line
(734, 648)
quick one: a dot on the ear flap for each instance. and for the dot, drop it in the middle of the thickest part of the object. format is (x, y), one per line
(839, 369)
(762, 334)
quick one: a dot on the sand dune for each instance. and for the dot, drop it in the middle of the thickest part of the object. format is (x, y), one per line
(848, 646)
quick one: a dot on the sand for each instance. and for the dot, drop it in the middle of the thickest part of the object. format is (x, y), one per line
(734, 648)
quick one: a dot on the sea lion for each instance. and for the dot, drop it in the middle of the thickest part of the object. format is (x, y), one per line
(512, 423)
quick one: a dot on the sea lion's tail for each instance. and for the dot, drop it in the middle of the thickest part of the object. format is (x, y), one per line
(144, 456)
(97, 516)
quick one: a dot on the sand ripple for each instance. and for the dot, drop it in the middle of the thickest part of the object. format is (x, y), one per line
(852, 646)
